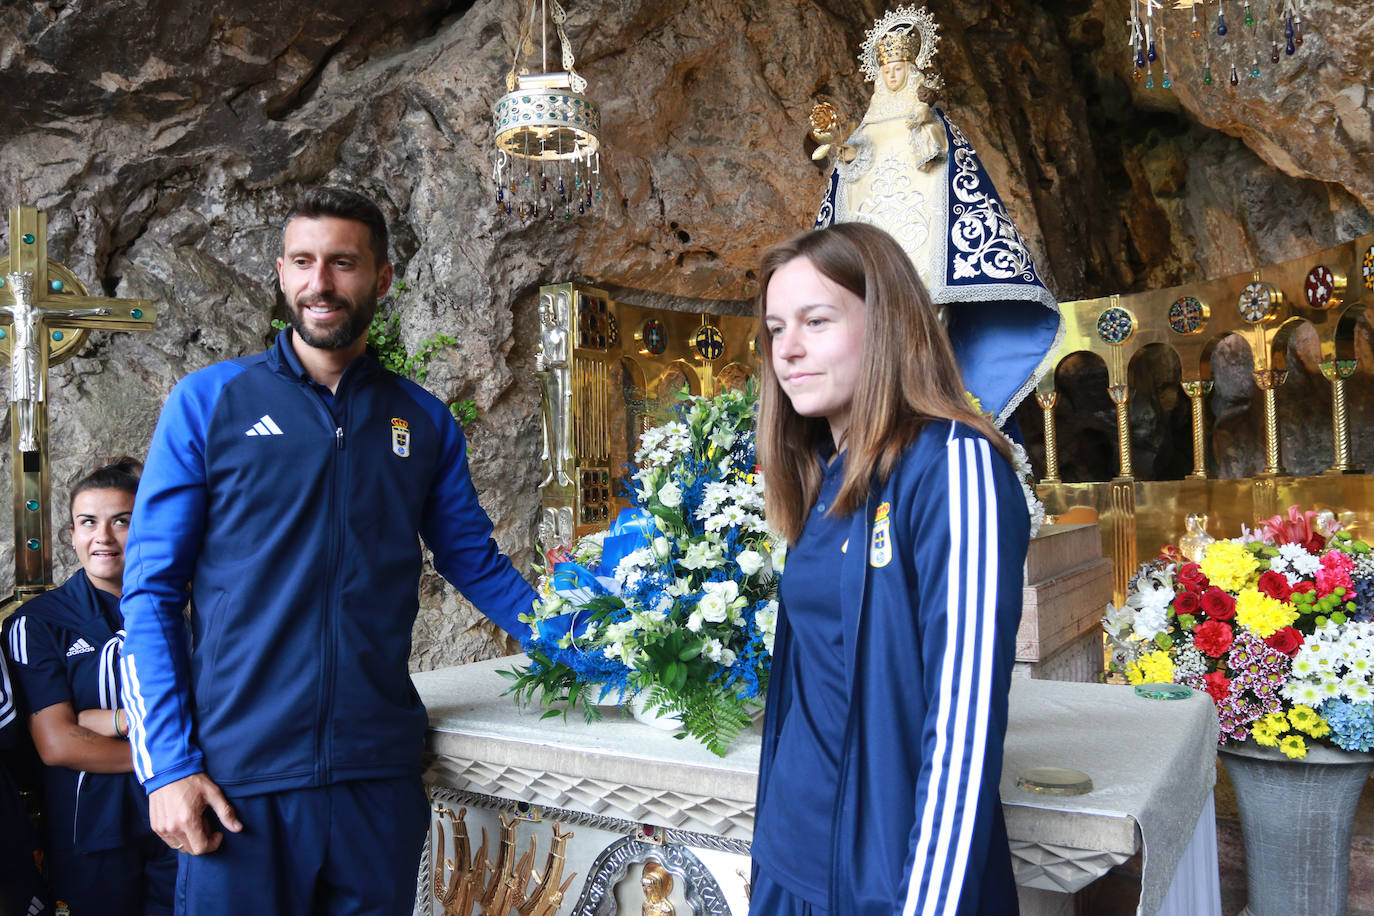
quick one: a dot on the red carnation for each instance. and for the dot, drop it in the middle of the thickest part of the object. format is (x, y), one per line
(1315, 544)
(1213, 637)
(1218, 686)
(1275, 585)
(1185, 603)
(1288, 641)
(1306, 585)
(1191, 578)
(1218, 604)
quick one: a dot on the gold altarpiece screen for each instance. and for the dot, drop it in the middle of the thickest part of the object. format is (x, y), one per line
(610, 370)
(1332, 291)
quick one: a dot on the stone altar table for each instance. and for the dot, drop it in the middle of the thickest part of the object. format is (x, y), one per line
(630, 794)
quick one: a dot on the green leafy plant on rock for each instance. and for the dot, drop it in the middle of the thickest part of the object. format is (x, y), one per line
(384, 336)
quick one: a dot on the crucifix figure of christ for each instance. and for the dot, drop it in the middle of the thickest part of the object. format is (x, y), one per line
(45, 316)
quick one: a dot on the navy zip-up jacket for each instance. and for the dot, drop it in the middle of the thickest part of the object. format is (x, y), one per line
(64, 645)
(935, 563)
(290, 519)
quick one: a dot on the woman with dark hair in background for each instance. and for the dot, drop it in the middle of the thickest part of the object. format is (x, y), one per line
(64, 646)
(907, 532)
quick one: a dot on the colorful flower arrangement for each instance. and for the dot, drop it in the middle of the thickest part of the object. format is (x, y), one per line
(677, 602)
(1274, 625)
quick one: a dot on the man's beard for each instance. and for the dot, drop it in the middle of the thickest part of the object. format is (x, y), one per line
(341, 336)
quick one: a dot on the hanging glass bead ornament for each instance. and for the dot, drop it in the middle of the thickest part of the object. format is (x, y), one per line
(1274, 55)
(1197, 30)
(546, 118)
(1207, 75)
(1249, 16)
(1235, 77)
(1254, 69)
(1221, 19)
(1150, 80)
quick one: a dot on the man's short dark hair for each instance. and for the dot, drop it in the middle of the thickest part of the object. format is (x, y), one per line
(341, 203)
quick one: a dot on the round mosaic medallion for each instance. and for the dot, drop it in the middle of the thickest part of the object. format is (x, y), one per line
(1188, 315)
(1115, 325)
(1258, 301)
(654, 336)
(1320, 288)
(709, 342)
(1367, 268)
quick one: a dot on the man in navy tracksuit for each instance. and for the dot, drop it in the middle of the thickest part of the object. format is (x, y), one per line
(286, 491)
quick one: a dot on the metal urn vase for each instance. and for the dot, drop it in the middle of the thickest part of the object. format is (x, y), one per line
(1296, 816)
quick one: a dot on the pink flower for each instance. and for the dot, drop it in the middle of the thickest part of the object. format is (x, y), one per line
(1296, 529)
(1334, 573)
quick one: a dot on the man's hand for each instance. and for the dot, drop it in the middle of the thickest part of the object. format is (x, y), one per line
(177, 812)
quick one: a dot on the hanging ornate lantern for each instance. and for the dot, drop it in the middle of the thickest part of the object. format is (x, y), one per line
(548, 163)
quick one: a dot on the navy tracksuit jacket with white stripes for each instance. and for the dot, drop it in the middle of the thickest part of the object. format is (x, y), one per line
(294, 520)
(935, 563)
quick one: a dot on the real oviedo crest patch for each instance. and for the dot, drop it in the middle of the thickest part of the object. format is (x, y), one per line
(880, 550)
(400, 437)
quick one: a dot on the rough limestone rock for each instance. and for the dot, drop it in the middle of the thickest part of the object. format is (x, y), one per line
(166, 139)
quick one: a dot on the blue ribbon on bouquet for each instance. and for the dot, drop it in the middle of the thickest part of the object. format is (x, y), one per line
(633, 529)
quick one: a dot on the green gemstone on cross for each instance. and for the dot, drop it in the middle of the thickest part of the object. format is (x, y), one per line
(28, 238)
(57, 335)
(56, 286)
(136, 313)
(32, 543)
(32, 505)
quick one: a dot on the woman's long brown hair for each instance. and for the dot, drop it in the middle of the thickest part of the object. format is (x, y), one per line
(908, 376)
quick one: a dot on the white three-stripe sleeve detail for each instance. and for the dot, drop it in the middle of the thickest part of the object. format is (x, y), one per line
(7, 707)
(135, 710)
(19, 642)
(961, 719)
(921, 864)
(985, 525)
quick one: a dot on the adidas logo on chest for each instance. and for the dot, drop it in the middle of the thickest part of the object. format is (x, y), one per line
(80, 647)
(265, 426)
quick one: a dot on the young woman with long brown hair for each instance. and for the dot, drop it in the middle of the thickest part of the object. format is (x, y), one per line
(887, 705)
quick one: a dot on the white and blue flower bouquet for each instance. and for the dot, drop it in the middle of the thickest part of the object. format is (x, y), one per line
(676, 604)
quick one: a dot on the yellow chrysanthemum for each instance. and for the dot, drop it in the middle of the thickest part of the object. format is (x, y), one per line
(1261, 614)
(1293, 746)
(1229, 565)
(1307, 720)
(1152, 668)
(1266, 731)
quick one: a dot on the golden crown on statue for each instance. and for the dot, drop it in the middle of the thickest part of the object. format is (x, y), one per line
(895, 46)
(907, 33)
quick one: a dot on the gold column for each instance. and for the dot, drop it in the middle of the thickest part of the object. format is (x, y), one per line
(1120, 397)
(1196, 391)
(1336, 371)
(1047, 400)
(1269, 381)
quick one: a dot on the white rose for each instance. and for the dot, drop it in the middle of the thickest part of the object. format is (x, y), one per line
(750, 561)
(713, 607)
(670, 495)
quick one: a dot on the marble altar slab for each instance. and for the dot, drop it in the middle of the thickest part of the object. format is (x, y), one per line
(1151, 761)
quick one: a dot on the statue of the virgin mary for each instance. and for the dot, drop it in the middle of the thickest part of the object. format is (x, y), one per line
(910, 171)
